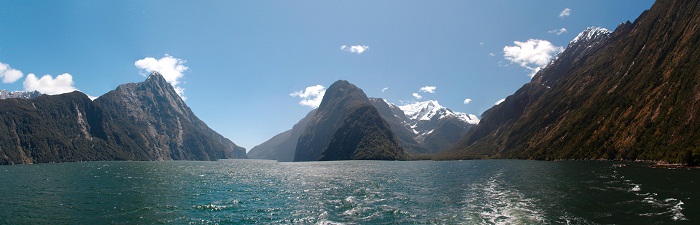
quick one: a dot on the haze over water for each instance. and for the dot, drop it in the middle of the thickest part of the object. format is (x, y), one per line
(365, 192)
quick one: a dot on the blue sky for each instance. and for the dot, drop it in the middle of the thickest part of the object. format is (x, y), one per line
(242, 61)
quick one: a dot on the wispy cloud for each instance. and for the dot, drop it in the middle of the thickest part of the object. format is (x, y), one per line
(500, 101)
(170, 67)
(385, 89)
(359, 49)
(428, 89)
(48, 85)
(564, 13)
(417, 96)
(532, 54)
(467, 101)
(558, 31)
(8, 74)
(311, 96)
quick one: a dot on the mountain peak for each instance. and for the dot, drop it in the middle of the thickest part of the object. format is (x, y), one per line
(432, 110)
(425, 110)
(157, 77)
(342, 86)
(591, 34)
(342, 90)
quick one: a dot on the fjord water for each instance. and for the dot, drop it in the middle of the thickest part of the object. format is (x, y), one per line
(365, 192)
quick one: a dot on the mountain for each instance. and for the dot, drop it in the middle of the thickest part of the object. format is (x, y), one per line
(425, 127)
(56, 128)
(435, 126)
(281, 147)
(346, 126)
(137, 121)
(630, 94)
(19, 94)
(166, 123)
(444, 130)
(397, 121)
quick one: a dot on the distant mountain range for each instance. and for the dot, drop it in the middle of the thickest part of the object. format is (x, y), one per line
(19, 94)
(421, 128)
(631, 94)
(137, 121)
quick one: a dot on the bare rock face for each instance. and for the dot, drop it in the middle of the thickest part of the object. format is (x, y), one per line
(630, 94)
(138, 121)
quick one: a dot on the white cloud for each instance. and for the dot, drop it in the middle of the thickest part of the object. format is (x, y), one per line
(385, 89)
(533, 54)
(558, 32)
(428, 89)
(8, 74)
(311, 96)
(417, 96)
(500, 101)
(170, 67)
(48, 85)
(359, 49)
(564, 13)
(467, 101)
(492, 54)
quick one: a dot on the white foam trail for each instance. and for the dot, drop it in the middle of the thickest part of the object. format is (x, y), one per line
(493, 203)
(636, 188)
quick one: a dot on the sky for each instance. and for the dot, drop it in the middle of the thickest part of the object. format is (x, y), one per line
(253, 69)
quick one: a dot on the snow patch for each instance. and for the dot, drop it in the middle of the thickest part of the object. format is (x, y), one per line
(591, 33)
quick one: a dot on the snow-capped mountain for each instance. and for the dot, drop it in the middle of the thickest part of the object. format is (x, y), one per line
(19, 94)
(423, 116)
(430, 125)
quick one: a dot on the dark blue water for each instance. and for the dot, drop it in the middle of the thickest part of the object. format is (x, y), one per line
(363, 192)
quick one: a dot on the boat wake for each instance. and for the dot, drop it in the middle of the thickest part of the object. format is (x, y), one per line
(492, 202)
(668, 207)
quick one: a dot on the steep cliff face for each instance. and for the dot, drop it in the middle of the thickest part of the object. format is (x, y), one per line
(340, 111)
(59, 128)
(631, 94)
(142, 121)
